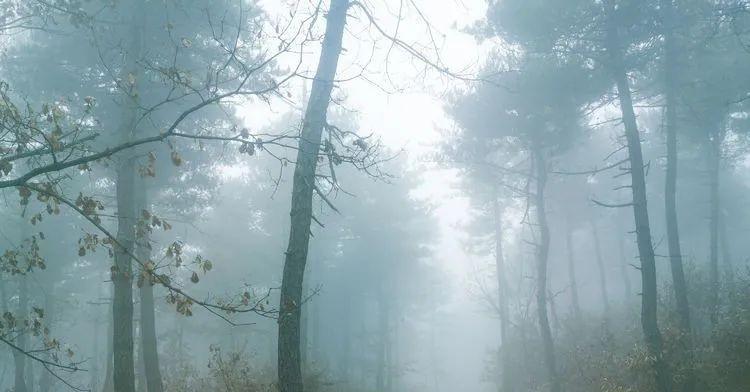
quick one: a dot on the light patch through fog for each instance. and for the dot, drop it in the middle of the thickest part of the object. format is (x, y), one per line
(402, 105)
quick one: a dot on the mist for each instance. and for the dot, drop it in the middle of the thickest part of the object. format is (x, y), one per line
(374, 195)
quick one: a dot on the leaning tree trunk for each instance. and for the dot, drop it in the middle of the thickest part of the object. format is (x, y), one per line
(502, 297)
(670, 193)
(649, 323)
(542, 256)
(289, 366)
(714, 160)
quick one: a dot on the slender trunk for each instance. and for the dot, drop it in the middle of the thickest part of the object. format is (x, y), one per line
(108, 385)
(714, 159)
(649, 323)
(575, 303)
(140, 367)
(19, 358)
(289, 367)
(149, 344)
(95, 366)
(542, 255)
(502, 294)
(602, 274)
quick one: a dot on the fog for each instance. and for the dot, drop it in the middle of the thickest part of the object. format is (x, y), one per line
(374, 195)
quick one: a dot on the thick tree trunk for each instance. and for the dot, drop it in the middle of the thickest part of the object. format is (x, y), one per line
(123, 375)
(714, 160)
(649, 322)
(574, 301)
(542, 255)
(502, 297)
(289, 367)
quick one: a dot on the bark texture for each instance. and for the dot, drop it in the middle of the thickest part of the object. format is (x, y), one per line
(289, 364)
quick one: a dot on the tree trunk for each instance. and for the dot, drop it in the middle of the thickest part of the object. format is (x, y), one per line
(122, 304)
(108, 385)
(502, 296)
(714, 160)
(123, 375)
(289, 367)
(542, 255)
(149, 345)
(649, 323)
(575, 303)
(19, 359)
(602, 275)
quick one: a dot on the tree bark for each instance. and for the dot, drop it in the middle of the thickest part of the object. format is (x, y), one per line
(542, 255)
(649, 323)
(123, 375)
(502, 296)
(289, 367)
